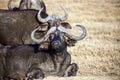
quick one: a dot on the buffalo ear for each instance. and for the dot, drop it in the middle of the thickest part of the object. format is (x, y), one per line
(71, 42)
(66, 25)
(44, 45)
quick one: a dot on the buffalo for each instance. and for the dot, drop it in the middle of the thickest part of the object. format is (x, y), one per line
(28, 4)
(30, 61)
(16, 26)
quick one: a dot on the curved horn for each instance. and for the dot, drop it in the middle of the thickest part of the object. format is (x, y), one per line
(33, 38)
(42, 4)
(44, 38)
(82, 36)
(63, 18)
(40, 18)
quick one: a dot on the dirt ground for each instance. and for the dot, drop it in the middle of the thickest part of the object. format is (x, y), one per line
(98, 55)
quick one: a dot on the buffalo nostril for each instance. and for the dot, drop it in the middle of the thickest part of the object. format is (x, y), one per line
(56, 43)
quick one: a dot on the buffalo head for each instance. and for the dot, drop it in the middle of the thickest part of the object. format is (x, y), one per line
(59, 35)
(54, 19)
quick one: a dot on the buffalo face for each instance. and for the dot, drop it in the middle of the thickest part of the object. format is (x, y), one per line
(59, 36)
(57, 42)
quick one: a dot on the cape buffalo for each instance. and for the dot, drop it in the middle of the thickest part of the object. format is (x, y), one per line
(16, 26)
(28, 4)
(30, 62)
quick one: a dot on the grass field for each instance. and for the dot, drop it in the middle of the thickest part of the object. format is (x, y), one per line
(98, 55)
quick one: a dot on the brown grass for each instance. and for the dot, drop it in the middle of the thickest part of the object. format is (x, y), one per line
(98, 55)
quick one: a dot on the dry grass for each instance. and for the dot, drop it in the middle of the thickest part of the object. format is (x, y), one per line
(98, 55)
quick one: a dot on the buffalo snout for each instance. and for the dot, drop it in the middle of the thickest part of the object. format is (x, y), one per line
(56, 44)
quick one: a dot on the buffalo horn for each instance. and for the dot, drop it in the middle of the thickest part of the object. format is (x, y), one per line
(75, 37)
(50, 17)
(45, 37)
